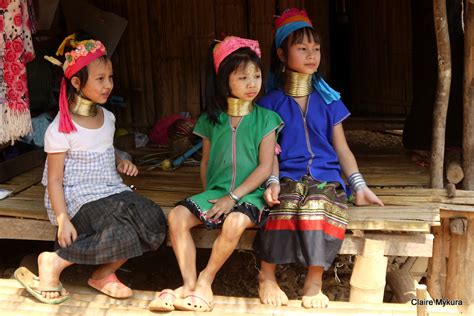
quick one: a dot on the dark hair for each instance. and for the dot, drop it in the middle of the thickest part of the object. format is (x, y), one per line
(296, 37)
(217, 85)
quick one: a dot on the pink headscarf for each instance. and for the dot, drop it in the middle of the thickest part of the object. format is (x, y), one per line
(229, 45)
(84, 53)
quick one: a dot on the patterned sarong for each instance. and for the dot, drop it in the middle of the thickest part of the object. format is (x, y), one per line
(308, 225)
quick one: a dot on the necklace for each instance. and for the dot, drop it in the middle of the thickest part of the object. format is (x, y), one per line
(84, 107)
(298, 84)
(238, 107)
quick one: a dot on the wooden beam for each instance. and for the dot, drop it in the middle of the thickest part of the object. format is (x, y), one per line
(397, 244)
(468, 98)
(442, 93)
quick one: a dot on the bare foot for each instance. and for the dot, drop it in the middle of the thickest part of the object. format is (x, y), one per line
(50, 266)
(313, 297)
(269, 291)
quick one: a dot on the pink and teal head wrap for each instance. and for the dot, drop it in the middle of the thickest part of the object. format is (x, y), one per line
(229, 45)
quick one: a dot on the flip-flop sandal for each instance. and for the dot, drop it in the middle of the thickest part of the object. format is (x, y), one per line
(189, 303)
(164, 302)
(31, 284)
(103, 285)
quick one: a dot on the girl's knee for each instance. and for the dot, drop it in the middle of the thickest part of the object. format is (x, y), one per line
(235, 224)
(180, 218)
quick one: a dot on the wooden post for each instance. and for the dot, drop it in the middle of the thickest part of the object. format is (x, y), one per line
(438, 140)
(368, 276)
(435, 268)
(467, 294)
(442, 93)
(468, 132)
(460, 279)
(421, 295)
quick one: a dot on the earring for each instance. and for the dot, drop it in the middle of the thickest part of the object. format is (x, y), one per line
(283, 68)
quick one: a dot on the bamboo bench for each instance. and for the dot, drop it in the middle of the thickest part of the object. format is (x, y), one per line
(405, 228)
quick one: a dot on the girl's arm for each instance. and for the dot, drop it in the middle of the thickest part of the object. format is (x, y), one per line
(349, 166)
(206, 148)
(273, 190)
(346, 157)
(253, 181)
(125, 166)
(66, 231)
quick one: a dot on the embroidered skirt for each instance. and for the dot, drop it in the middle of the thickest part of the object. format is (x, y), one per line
(307, 227)
(248, 209)
(120, 226)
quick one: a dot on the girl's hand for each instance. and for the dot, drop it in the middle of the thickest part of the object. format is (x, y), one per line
(221, 206)
(367, 197)
(67, 234)
(271, 194)
(127, 167)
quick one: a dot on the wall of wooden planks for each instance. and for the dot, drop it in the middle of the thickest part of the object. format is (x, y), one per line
(160, 62)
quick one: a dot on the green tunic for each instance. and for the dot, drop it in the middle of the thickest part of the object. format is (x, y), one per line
(234, 154)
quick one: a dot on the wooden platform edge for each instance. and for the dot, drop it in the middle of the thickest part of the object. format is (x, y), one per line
(397, 244)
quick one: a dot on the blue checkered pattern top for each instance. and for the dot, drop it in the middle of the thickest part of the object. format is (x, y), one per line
(89, 174)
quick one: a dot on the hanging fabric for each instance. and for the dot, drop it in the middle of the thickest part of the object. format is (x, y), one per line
(16, 49)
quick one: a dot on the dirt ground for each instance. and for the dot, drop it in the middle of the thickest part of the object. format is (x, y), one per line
(238, 277)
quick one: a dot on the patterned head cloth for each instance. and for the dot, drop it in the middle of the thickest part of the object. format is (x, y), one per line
(229, 45)
(290, 21)
(83, 54)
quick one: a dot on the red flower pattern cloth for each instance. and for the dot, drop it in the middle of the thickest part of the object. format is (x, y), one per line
(16, 49)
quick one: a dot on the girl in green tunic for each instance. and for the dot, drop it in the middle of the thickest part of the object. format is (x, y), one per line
(238, 148)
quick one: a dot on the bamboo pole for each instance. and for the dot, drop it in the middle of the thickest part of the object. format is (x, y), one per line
(442, 93)
(468, 93)
(421, 296)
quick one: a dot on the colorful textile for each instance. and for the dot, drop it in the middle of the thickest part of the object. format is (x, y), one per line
(16, 50)
(245, 208)
(229, 45)
(290, 21)
(308, 225)
(306, 140)
(234, 154)
(120, 226)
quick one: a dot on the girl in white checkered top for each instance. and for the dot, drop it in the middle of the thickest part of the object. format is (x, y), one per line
(100, 220)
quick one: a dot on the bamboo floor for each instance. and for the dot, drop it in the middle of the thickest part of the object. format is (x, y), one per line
(15, 301)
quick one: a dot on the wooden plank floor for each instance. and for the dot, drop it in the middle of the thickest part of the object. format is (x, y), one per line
(14, 300)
